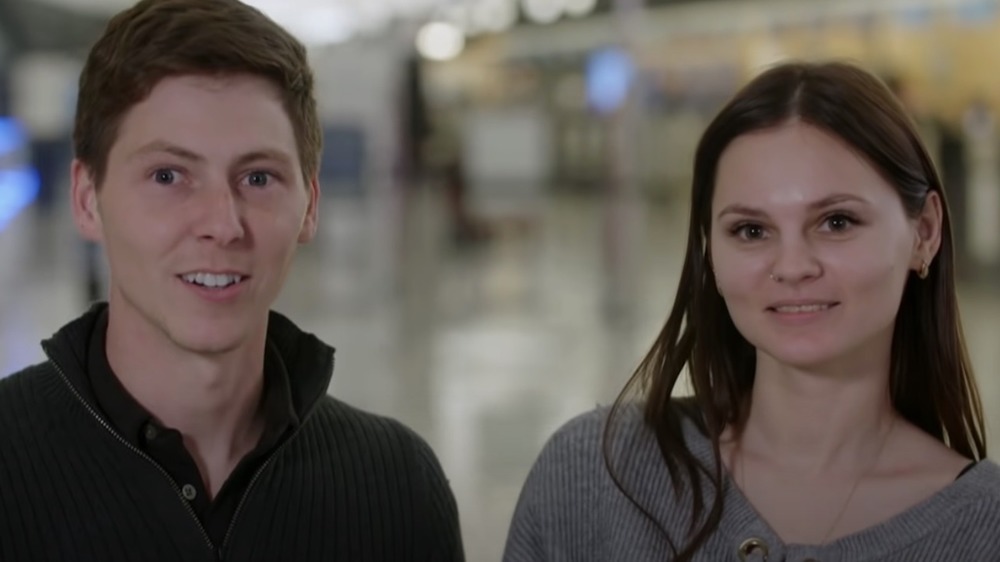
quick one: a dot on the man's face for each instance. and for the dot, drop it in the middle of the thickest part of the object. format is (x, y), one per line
(201, 210)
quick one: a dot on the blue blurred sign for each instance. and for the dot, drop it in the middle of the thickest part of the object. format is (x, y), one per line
(610, 73)
(980, 11)
(343, 159)
(19, 182)
(12, 136)
(18, 189)
(915, 16)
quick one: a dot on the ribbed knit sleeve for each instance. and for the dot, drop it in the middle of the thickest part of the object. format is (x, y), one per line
(434, 498)
(560, 498)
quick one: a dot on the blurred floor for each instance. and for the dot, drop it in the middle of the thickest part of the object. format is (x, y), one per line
(484, 350)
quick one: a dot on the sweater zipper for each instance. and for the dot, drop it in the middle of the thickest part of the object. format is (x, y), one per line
(219, 552)
(253, 481)
(137, 451)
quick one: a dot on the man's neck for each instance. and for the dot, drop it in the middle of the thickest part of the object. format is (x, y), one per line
(213, 401)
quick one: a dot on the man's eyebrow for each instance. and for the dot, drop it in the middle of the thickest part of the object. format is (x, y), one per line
(265, 154)
(169, 148)
(185, 154)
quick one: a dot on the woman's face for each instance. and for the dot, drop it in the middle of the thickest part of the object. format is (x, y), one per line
(811, 247)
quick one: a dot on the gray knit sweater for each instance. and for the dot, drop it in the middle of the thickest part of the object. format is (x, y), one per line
(571, 511)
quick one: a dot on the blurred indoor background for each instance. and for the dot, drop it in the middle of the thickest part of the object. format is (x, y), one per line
(504, 191)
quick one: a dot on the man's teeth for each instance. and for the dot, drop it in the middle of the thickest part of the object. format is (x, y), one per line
(802, 308)
(212, 280)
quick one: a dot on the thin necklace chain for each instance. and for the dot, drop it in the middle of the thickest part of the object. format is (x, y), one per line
(854, 487)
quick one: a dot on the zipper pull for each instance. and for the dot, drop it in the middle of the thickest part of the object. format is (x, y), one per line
(218, 555)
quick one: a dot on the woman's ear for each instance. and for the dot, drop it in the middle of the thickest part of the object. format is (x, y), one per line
(928, 229)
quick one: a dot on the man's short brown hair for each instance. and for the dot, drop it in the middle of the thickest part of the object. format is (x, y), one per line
(156, 39)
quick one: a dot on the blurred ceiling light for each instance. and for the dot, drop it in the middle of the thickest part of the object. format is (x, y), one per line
(542, 11)
(579, 8)
(494, 16)
(440, 41)
(334, 21)
(459, 16)
(312, 23)
(322, 25)
(372, 16)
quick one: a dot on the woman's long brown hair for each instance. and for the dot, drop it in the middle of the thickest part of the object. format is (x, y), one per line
(931, 380)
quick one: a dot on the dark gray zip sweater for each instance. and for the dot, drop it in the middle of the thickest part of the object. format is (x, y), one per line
(347, 486)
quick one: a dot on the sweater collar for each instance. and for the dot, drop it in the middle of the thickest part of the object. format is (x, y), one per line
(308, 360)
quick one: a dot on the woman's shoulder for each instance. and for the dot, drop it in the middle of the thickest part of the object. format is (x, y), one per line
(577, 439)
(586, 433)
(573, 494)
(968, 511)
(610, 433)
(982, 481)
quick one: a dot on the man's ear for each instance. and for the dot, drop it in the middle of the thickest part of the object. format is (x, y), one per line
(311, 221)
(83, 195)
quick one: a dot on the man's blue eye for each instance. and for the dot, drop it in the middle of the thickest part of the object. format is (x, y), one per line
(164, 176)
(258, 179)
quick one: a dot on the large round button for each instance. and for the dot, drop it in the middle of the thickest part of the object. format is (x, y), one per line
(753, 547)
(151, 432)
(189, 492)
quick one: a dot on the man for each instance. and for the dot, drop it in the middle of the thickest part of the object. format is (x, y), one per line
(183, 420)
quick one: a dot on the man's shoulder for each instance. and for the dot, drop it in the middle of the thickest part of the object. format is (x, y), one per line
(24, 399)
(26, 383)
(376, 446)
(355, 449)
(353, 426)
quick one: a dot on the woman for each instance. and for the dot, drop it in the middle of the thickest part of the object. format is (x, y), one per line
(834, 413)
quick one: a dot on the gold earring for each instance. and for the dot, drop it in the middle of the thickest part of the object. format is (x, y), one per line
(925, 269)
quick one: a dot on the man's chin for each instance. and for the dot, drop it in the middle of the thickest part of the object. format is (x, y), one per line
(210, 338)
(205, 347)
